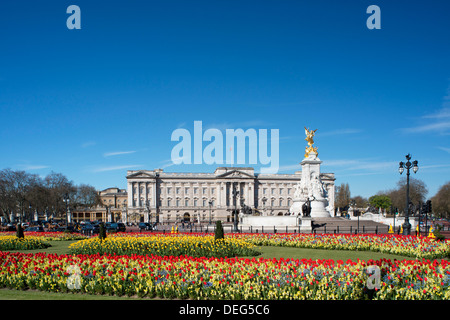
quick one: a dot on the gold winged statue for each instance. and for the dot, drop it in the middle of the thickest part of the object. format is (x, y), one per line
(309, 139)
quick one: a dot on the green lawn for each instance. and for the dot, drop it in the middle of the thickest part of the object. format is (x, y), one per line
(315, 254)
(58, 247)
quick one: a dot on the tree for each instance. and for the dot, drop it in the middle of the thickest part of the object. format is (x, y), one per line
(342, 196)
(361, 202)
(86, 196)
(380, 201)
(59, 186)
(441, 201)
(7, 197)
(102, 232)
(218, 234)
(417, 193)
(19, 231)
(15, 189)
(22, 193)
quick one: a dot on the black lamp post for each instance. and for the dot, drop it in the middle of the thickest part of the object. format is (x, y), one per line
(210, 204)
(157, 198)
(408, 165)
(31, 213)
(353, 204)
(66, 200)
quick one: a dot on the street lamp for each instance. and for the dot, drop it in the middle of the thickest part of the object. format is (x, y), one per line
(31, 213)
(210, 204)
(408, 165)
(353, 204)
(67, 200)
(157, 199)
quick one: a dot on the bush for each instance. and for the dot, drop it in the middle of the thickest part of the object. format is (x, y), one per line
(19, 231)
(218, 234)
(102, 232)
(437, 233)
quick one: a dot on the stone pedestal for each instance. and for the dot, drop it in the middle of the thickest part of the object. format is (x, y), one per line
(311, 187)
(318, 209)
(305, 224)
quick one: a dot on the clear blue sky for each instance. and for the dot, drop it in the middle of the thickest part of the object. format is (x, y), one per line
(94, 102)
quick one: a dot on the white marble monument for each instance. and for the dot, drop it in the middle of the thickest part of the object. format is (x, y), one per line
(311, 186)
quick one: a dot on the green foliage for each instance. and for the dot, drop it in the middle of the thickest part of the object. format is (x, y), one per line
(437, 233)
(218, 234)
(19, 231)
(102, 232)
(380, 201)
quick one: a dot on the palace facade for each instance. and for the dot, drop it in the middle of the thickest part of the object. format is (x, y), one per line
(158, 196)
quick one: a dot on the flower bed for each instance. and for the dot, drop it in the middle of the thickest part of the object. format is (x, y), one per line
(223, 278)
(49, 236)
(28, 243)
(166, 245)
(412, 246)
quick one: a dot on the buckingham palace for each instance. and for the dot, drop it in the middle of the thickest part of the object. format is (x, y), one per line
(164, 197)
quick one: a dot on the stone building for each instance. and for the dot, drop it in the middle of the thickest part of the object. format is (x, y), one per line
(114, 201)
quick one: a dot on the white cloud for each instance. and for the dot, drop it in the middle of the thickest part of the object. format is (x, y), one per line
(441, 114)
(369, 166)
(441, 127)
(114, 168)
(440, 119)
(117, 153)
(32, 167)
(88, 144)
(444, 149)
